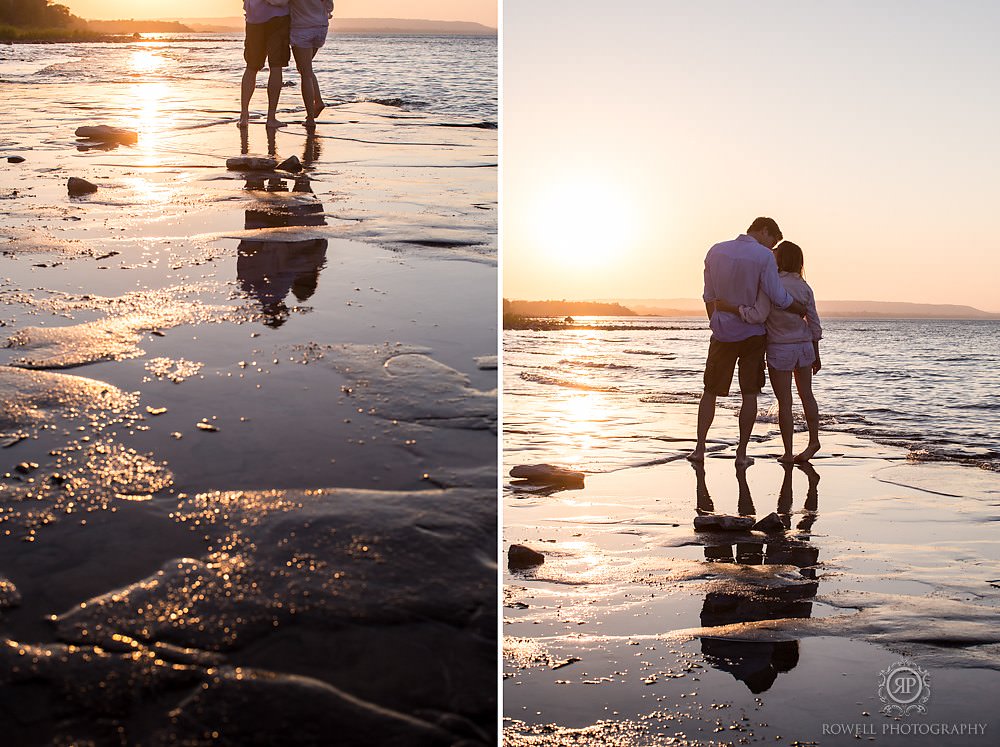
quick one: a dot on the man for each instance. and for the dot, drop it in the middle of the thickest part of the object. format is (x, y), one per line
(734, 270)
(266, 39)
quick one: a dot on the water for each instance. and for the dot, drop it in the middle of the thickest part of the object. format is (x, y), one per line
(603, 399)
(447, 75)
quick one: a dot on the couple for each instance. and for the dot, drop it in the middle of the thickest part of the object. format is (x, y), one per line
(273, 26)
(757, 303)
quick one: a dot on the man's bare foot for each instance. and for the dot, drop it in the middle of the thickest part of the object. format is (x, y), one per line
(809, 452)
(742, 460)
(697, 456)
(243, 121)
(274, 124)
(786, 458)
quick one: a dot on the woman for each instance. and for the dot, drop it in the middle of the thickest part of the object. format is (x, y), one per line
(792, 347)
(310, 25)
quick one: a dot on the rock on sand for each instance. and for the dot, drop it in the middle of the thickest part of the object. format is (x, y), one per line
(107, 134)
(78, 186)
(547, 474)
(519, 556)
(723, 522)
(251, 163)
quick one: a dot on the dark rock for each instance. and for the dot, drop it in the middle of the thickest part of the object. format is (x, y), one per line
(26, 467)
(292, 164)
(78, 186)
(723, 522)
(547, 474)
(519, 556)
(15, 159)
(250, 163)
(770, 523)
(107, 134)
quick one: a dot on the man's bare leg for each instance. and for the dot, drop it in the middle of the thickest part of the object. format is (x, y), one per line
(803, 382)
(706, 414)
(748, 414)
(781, 383)
(246, 93)
(274, 82)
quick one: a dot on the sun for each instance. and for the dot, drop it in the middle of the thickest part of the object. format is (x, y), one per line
(584, 221)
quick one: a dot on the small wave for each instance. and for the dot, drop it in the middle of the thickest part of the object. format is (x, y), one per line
(658, 353)
(594, 364)
(670, 398)
(551, 380)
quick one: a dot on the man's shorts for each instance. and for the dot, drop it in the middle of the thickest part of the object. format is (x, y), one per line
(787, 356)
(309, 37)
(267, 41)
(722, 359)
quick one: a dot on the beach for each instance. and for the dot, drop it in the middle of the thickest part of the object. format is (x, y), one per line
(638, 629)
(249, 416)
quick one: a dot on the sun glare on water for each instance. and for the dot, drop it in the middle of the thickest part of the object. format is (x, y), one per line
(588, 222)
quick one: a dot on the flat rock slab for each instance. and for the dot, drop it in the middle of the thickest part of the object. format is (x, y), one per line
(723, 522)
(548, 474)
(251, 163)
(106, 134)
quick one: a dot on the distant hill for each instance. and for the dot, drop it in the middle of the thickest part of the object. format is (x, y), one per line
(564, 308)
(832, 309)
(139, 27)
(356, 26)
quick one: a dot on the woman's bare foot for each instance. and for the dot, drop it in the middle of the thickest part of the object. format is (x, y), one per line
(742, 460)
(809, 452)
(786, 458)
(697, 456)
(274, 124)
(320, 106)
(243, 121)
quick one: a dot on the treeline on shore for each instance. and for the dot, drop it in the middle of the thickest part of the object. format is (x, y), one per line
(548, 315)
(44, 20)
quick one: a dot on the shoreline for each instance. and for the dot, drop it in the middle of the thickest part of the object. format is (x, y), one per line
(246, 431)
(637, 628)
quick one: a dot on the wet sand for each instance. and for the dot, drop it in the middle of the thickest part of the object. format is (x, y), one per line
(638, 630)
(249, 489)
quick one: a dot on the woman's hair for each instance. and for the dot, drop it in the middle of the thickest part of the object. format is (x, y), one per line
(789, 257)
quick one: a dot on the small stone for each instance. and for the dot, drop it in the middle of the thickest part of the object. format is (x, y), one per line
(292, 164)
(519, 556)
(78, 186)
(250, 163)
(156, 410)
(547, 474)
(107, 134)
(723, 522)
(770, 523)
(207, 426)
(15, 159)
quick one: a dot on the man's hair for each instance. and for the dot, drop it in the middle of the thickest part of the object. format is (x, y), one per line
(789, 257)
(766, 224)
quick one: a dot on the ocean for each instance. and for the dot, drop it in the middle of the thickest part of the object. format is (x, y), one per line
(603, 399)
(447, 75)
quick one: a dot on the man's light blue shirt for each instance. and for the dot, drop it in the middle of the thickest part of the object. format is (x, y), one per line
(734, 270)
(260, 11)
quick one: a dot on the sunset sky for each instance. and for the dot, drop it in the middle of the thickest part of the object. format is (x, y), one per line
(635, 139)
(480, 11)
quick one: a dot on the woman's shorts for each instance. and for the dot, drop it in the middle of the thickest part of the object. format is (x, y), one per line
(787, 356)
(309, 37)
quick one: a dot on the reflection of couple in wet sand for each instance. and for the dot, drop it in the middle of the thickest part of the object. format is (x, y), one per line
(759, 305)
(275, 30)
(757, 663)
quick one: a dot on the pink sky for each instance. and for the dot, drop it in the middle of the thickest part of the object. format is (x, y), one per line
(479, 11)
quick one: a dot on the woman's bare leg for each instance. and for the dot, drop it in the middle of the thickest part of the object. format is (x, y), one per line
(318, 104)
(781, 383)
(803, 382)
(303, 61)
